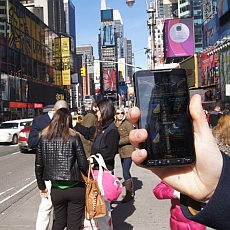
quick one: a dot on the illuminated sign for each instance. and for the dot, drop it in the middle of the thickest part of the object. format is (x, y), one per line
(179, 37)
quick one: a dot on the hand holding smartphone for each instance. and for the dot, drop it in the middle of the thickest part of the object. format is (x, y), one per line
(163, 99)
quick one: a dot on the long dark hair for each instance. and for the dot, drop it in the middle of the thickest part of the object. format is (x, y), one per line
(59, 125)
(107, 110)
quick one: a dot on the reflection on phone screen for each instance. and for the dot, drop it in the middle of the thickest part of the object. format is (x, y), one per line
(163, 99)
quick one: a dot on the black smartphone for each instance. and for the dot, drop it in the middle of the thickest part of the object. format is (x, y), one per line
(163, 99)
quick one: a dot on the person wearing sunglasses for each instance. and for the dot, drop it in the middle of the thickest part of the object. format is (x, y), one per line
(125, 150)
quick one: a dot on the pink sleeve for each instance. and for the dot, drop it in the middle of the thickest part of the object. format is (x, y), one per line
(163, 191)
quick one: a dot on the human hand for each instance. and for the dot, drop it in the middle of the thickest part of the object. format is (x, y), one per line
(44, 193)
(199, 180)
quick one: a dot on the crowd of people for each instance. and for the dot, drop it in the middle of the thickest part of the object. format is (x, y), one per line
(197, 190)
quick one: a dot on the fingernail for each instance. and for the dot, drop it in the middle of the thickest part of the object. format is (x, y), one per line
(137, 134)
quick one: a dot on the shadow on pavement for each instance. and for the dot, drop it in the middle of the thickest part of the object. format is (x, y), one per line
(121, 211)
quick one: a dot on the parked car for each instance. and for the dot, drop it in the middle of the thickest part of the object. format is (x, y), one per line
(9, 130)
(23, 140)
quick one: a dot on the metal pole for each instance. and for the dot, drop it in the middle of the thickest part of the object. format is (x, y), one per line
(151, 24)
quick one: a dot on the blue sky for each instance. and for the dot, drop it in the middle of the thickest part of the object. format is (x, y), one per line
(134, 24)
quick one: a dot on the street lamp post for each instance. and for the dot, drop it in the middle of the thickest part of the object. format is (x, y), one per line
(150, 9)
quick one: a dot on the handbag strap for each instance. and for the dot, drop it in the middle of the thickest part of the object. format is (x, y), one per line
(90, 173)
(98, 157)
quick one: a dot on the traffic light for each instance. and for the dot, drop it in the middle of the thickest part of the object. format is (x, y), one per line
(83, 72)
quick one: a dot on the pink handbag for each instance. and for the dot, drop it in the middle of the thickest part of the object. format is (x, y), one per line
(111, 185)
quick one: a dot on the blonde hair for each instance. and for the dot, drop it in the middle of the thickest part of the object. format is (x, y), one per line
(223, 129)
(117, 122)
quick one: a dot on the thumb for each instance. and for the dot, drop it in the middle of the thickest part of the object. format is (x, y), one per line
(200, 123)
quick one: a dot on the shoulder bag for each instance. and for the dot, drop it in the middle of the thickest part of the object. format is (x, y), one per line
(95, 206)
(111, 187)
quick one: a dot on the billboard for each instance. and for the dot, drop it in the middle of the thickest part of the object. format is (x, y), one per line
(179, 37)
(109, 80)
(57, 58)
(106, 15)
(65, 57)
(211, 31)
(223, 7)
(208, 69)
(107, 35)
(191, 66)
(96, 72)
(121, 69)
(123, 92)
(207, 94)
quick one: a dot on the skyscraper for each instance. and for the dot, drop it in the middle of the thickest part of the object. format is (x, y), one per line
(51, 12)
(70, 27)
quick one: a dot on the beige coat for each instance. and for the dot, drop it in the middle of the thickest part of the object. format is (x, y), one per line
(125, 147)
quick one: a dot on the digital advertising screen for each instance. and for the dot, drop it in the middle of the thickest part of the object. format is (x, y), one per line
(211, 31)
(123, 92)
(208, 69)
(179, 37)
(106, 15)
(109, 80)
(107, 35)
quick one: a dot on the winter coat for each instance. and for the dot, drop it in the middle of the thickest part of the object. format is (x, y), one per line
(56, 160)
(125, 147)
(105, 143)
(38, 124)
(88, 121)
(177, 220)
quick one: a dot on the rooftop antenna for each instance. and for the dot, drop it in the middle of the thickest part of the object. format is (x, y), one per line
(103, 4)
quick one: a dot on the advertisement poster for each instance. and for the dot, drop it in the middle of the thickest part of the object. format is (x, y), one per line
(223, 7)
(123, 92)
(208, 66)
(107, 35)
(179, 37)
(65, 54)
(96, 71)
(211, 31)
(109, 80)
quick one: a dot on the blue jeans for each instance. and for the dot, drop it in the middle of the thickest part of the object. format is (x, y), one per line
(126, 165)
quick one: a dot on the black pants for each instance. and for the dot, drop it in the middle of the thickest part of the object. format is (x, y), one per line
(68, 206)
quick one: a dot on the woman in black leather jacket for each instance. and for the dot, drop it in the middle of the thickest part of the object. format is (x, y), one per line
(60, 157)
(105, 136)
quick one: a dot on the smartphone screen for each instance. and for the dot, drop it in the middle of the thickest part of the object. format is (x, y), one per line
(163, 99)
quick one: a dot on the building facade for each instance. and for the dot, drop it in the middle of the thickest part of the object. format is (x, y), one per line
(27, 77)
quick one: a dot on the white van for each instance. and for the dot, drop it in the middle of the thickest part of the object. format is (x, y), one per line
(9, 129)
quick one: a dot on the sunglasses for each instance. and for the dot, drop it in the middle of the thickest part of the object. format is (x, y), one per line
(120, 113)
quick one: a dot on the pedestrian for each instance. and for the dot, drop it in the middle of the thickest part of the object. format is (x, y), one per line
(177, 219)
(39, 123)
(105, 135)
(125, 151)
(60, 157)
(89, 120)
(205, 185)
(215, 116)
(221, 132)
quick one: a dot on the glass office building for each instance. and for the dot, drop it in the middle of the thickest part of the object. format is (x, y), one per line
(27, 80)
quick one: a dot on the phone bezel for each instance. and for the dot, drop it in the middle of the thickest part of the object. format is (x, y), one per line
(179, 162)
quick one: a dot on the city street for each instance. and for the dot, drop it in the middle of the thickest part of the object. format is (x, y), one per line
(19, 197)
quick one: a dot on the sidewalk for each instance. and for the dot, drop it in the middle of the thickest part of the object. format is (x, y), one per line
(145, 212)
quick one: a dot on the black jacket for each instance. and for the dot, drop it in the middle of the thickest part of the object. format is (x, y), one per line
(105, 143)
(215, 214)
(56, 160)
(39, 123)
